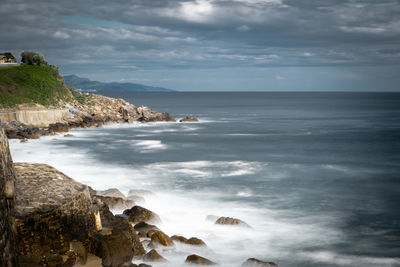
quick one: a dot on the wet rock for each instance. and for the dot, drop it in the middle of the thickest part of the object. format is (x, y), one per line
(68, 135)
(139, 214)
(194, 241)
(252, 262)
(153, 255)
(189, 119)
(143, 228)
(149, 115)
(196, 259)
(231, 221)
(112, 192)
(117, 203)
(58, 127)
(158, 238)
(118, 243)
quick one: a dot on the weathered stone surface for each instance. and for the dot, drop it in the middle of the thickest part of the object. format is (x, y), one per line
(153, 255)
(139, 214)
(196, 259)
(253, 262)
(51, 211)
(189, 119)
(231, 221)
(194, 241)
(158, 238)
(7, 176)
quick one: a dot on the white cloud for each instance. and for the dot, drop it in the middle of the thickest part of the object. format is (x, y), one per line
(62, 35)
(243, 28)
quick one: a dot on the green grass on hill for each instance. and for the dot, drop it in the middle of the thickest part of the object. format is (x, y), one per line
(34, 84)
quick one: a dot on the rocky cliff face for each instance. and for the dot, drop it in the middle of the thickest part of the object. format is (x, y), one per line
(23, 122)
(7, 251)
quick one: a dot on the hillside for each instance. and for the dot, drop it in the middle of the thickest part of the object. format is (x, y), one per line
(28, 84)
(86, 85)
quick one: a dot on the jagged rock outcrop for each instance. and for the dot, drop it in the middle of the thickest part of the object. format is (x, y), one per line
(253, 262)
(36, 120)
(7, 176)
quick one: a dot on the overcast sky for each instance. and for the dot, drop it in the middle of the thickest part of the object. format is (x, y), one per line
(214, 45)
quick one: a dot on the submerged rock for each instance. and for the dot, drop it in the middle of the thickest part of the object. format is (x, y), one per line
(153, 255)
(194, 241)
(158, 238)
(196, 259)
(139, 214)
(253, 262)
(231, 221)
(189, 119)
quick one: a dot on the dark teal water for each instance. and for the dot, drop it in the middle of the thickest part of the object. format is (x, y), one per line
(316, 173)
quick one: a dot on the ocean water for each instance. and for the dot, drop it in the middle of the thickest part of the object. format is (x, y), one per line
(316, 175)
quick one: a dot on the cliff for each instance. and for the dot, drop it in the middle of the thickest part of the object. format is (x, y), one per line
(34, 101)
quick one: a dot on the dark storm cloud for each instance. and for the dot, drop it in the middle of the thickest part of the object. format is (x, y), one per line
(158, 34)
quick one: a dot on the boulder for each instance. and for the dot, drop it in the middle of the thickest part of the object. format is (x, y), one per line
(231, 221)
(153, 255)
(189, 119)
(68, 135)
(194, 241)
(51, 210)
(58, 127)
(143, 228)
(138, 214)
(253, 262)
(196, 259)
(158, 238)
(118, 243)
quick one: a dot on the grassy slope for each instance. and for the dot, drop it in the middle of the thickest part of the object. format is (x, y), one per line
(33, 84)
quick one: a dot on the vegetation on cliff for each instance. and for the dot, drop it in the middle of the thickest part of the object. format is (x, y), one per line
(34, 85)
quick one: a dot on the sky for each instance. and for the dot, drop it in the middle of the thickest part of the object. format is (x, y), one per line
(214, 45)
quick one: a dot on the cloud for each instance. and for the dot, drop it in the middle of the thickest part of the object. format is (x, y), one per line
(190, 34)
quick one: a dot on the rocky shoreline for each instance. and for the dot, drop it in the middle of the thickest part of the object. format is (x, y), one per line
(52, 220)
(97, 111)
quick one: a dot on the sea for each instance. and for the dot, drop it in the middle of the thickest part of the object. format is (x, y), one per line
(315, 174)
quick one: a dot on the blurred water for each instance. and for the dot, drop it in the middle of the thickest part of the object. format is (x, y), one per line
(315, 174)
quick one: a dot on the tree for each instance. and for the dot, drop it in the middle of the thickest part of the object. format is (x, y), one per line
(33, 58)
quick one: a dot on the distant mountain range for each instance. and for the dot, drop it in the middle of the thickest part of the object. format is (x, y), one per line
(86, 85)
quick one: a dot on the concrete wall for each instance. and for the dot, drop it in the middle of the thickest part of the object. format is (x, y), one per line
(35, 117)
(7, 178)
